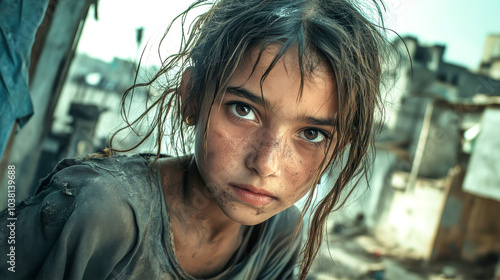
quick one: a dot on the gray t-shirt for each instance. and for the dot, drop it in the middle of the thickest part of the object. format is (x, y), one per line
(105, 218)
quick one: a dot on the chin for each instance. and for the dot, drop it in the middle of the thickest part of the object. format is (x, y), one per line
(245, 214)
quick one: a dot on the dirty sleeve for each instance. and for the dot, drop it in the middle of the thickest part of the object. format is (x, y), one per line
(79, 225)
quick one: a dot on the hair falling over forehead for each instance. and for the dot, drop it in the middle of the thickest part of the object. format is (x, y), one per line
(335, 33)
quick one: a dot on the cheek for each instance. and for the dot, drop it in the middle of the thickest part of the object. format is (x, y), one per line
(300, 172)
(299, 180)
(225, 148)
(304, 164)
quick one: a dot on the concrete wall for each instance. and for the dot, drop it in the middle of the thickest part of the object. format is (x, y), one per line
(409, 220)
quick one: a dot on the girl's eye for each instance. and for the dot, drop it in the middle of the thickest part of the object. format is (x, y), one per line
(242, 111)
(312, 135)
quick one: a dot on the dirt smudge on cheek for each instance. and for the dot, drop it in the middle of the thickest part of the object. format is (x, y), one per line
(295, 169)
(219, 134)
(225, 199)
(300, 174)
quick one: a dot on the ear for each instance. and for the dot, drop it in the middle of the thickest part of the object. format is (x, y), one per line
(188, 111)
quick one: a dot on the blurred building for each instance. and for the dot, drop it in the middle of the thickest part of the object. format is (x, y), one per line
(74, 97)
(435, 180)
(92, 92)
(490, 64)
(51, 56)
(436, 177)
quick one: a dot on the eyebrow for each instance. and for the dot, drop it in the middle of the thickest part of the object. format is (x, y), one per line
(320, 121)
(244, 93)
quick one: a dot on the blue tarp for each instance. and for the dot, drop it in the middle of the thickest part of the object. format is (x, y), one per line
(19, 21)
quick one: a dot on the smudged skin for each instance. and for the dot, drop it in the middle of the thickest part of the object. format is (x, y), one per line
(262, 143)
(272, 141)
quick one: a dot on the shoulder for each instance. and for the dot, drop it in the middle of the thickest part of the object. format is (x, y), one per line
(95, 171)
(98, 190)
(83, 217)
(97, 178)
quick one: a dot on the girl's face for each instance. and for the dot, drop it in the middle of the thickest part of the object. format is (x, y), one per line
(263, 149)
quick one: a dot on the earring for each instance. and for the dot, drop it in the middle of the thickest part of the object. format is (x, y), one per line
(187, 120)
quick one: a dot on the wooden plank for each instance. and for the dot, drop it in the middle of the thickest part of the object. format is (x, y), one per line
(483, 231)
(451, 233)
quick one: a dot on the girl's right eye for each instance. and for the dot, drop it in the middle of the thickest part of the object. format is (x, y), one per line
(242, 111)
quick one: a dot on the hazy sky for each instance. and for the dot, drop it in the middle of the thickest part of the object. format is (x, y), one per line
(459, 24)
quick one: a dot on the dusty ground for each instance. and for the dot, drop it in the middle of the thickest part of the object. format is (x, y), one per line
(354, 254)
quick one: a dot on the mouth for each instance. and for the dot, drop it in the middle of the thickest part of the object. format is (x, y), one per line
(252, 195)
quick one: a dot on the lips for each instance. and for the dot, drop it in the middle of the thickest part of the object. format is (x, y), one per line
(254, 190)
(252, 195)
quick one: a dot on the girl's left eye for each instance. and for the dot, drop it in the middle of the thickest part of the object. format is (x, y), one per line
(243, 111)
(312, 135)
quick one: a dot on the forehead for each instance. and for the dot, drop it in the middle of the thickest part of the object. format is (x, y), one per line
(281, 87)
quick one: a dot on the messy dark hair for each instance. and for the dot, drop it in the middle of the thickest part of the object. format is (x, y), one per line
(332, 32)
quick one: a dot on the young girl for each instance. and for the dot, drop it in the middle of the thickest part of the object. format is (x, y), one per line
(269, 95)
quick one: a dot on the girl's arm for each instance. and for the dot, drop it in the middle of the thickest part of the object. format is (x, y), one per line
(79, 226)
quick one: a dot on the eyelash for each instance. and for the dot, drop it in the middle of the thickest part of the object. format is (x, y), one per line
(321, 143)
(235, 116)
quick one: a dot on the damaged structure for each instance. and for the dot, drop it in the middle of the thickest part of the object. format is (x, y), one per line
(435, 188)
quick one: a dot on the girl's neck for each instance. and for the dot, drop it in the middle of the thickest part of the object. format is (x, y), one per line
(190, 204)
(205, 238)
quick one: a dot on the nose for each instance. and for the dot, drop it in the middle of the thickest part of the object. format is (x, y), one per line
(266, 155)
